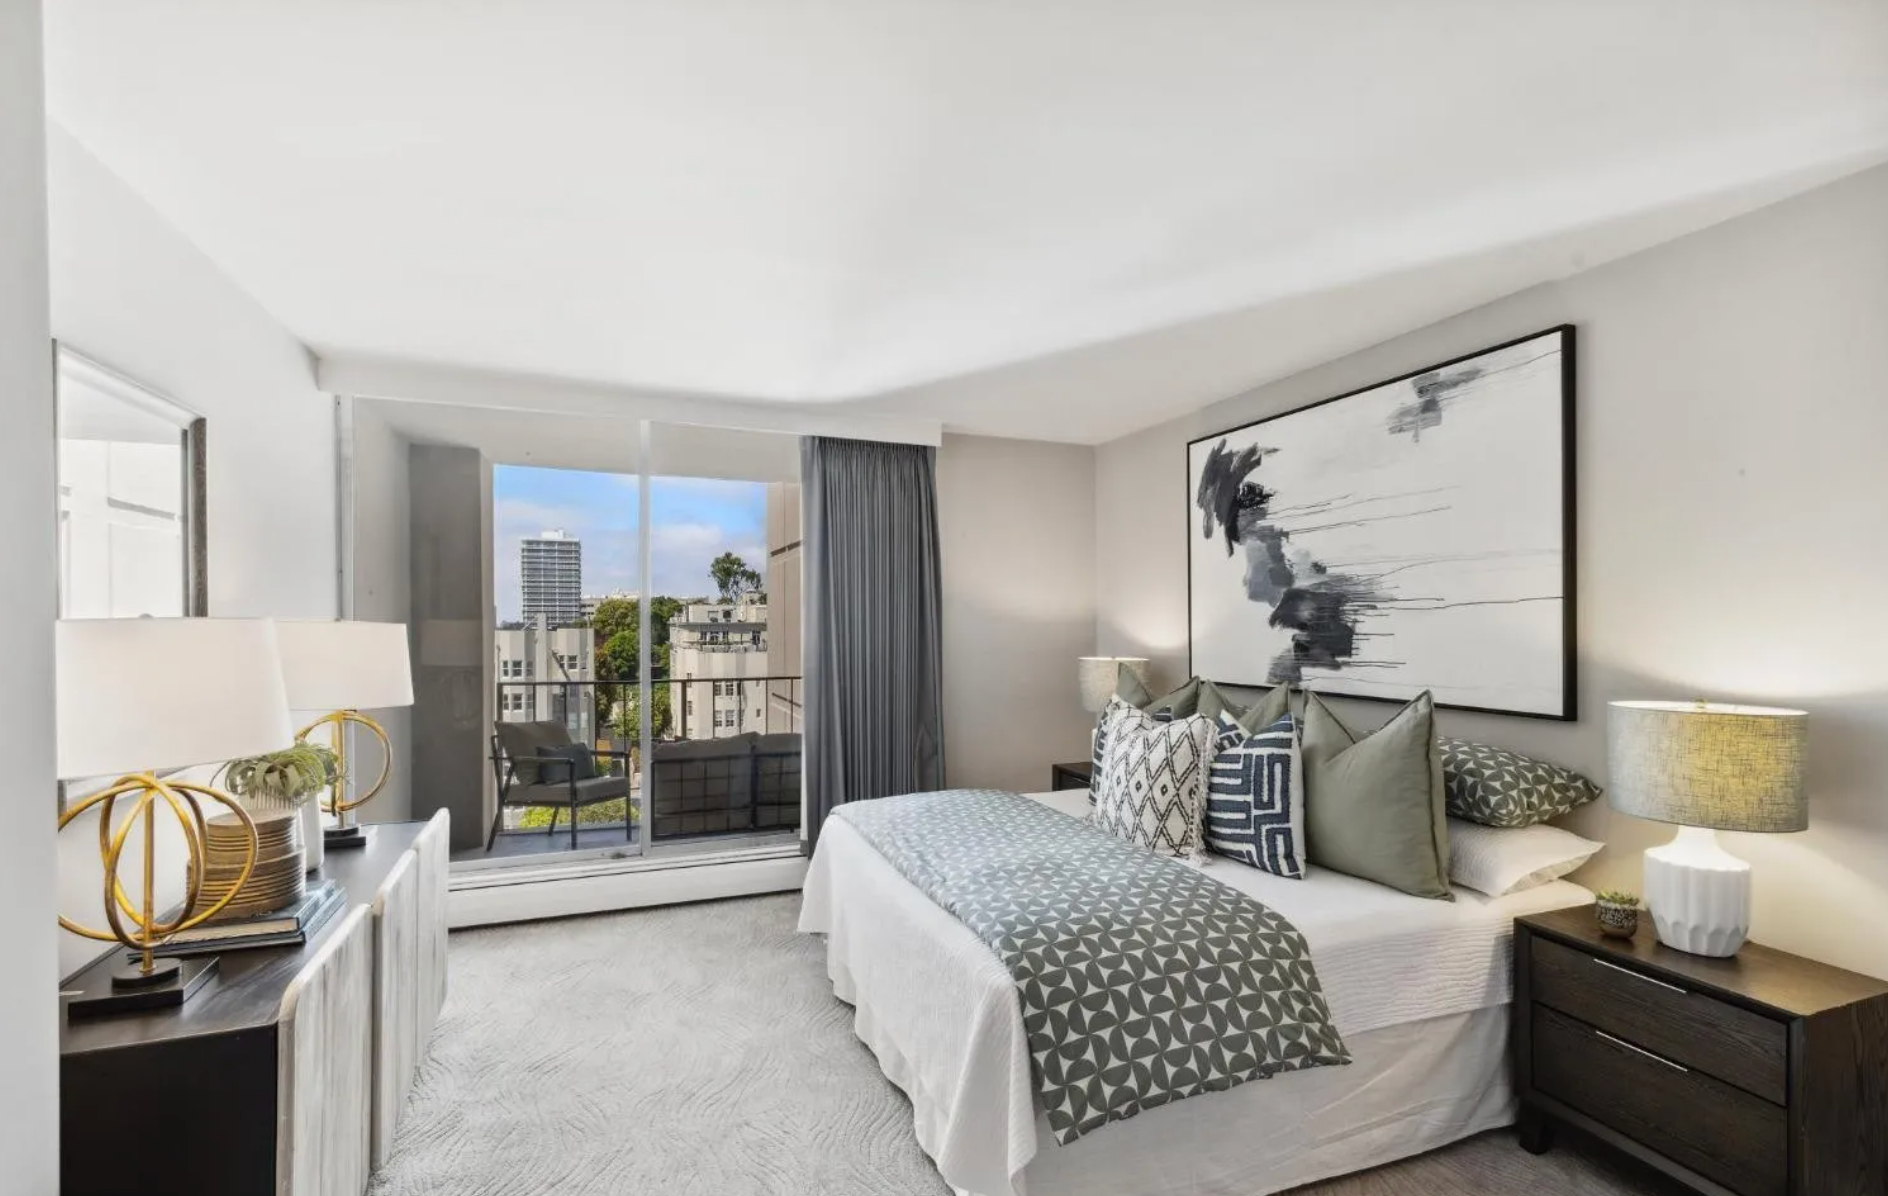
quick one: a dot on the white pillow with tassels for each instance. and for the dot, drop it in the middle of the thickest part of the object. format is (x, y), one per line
(1151, 787)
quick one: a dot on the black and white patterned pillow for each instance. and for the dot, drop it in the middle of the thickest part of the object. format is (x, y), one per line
(1099, 758)
(1496, 787)
(1255, 805)
(1151, 787)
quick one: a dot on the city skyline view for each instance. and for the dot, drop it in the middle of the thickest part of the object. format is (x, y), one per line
(694, 521)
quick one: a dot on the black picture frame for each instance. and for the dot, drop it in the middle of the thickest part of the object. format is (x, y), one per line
(1570, 695)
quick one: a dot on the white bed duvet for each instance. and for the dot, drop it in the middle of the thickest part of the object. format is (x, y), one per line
(1416, 988)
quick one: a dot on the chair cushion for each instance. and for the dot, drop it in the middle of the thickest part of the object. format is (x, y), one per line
(706, 749)
(595, 789)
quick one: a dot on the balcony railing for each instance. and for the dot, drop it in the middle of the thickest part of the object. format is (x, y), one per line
(708, 777)
(768, 705)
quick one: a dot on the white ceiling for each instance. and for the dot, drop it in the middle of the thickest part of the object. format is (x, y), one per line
(1059, 219)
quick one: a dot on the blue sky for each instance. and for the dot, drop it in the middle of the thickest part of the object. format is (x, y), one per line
(695, 520)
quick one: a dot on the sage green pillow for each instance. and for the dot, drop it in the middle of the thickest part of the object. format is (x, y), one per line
(1374, 804)
(1276, 704)
(1131, 689)
(1181, 703)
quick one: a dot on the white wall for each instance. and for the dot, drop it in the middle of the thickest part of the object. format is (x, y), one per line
(131, 292)
(29, 983)
(381, 583)
(1732, 413)
(1017, 523)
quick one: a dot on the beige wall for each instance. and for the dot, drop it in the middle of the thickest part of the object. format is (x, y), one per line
(1017, 524)
(29, 984)
(1732, 416)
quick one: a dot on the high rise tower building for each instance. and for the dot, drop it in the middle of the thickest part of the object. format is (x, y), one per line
(550, 571)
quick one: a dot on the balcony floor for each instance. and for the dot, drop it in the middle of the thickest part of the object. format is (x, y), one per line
(516, 844)
(604, 841)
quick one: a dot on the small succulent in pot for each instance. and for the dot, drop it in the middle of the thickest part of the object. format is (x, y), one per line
(1617, 912)
(281, 781)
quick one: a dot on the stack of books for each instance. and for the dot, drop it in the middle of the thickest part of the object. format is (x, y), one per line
(290, 926)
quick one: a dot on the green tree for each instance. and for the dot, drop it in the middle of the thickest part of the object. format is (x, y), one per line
(732, 577)
(617, 628)
(661, 610)
(662, 718)
(615, 615)
(621, 657)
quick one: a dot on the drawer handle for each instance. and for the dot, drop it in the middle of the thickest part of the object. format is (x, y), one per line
(1642, 1051)
(1641, 976)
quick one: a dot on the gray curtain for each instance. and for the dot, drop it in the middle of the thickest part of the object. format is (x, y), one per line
(874, 639)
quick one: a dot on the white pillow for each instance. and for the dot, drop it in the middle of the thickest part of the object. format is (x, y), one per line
(1151, 789)
(1503, 860)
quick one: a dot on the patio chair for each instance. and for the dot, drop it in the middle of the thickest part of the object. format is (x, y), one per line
(536, 766)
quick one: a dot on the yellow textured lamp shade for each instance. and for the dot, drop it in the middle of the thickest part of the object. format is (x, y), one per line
(1726, 768)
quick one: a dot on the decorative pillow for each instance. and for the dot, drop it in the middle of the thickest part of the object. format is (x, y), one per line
(1130, 688)
(1496, 787)
(1374, 804)
(1255, 809)
(1151, 789)
(1499, 861)
(1275, 705)
(581, 764)
(1130, 691)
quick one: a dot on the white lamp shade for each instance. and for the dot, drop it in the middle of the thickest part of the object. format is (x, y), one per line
(333, 664)
(139, 694)
(1098, 676)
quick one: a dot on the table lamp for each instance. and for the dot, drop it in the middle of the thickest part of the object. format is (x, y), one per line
(134, 696)
(342, 666)
(1098, 675)
(1707, 768)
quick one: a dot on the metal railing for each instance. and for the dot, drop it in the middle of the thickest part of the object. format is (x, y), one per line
(752, 788)
(696, 707)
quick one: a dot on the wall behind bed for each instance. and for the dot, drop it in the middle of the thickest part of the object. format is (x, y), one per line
(1733, 539)
(1016, 525)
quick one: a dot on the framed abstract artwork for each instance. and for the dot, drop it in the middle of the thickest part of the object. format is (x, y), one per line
(1414, 535)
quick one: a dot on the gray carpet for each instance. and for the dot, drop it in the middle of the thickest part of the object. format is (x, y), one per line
(699, 1049)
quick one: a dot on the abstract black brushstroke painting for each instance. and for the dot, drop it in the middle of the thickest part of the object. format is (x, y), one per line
(1413, 535)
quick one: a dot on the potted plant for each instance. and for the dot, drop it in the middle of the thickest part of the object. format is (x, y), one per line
(1617, 912)
(283, 783)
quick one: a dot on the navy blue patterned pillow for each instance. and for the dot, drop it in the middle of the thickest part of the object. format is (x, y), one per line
(1255, 808)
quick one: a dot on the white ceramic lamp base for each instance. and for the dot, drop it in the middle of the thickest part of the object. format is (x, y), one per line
(1699, 894)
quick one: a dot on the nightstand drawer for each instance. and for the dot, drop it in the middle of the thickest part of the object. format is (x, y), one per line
(1737, 1046)
(1717, 1130)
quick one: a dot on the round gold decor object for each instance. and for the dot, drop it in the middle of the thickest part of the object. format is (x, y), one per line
(277, 879)
(138, 926)
(337, 802)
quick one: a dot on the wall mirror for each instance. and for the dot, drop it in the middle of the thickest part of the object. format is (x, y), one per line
(131, 499)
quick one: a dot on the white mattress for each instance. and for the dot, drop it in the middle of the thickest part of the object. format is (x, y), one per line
(942, 1015)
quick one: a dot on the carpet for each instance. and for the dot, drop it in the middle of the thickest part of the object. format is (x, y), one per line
(699, 1049)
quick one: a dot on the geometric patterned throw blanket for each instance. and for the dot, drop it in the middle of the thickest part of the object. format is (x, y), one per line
(1142, 981)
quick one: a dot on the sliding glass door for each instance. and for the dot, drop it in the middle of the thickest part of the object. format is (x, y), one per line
(722, 629)
(607, 631)
(567, 585)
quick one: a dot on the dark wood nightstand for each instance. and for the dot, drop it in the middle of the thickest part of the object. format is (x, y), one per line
(1760, 1075)
(1071, 776)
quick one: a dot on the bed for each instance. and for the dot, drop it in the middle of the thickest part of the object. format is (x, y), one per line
(1419, 990)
